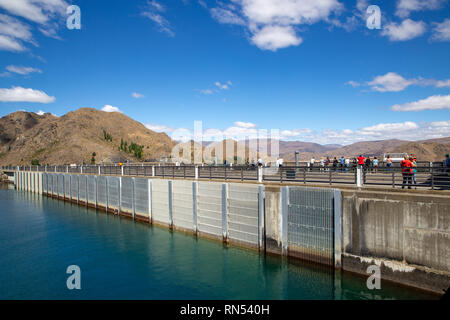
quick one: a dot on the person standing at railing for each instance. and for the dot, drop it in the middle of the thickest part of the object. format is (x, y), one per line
(414, 170)
(447, 163)
(375, 164)
(342, 163)
(361, 160)
(406, 166)
(368, 163)
(389, 162)
(312, 163)
(347, 164)
(335, 164)
(327, 163)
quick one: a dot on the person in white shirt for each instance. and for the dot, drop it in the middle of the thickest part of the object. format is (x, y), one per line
(312, 163)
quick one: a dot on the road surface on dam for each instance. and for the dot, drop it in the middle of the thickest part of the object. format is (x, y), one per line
(121, 259)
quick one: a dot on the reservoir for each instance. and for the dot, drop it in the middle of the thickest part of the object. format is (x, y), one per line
(122, 259)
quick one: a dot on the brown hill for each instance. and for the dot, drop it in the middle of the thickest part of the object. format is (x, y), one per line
(427, 150)
(73, 138)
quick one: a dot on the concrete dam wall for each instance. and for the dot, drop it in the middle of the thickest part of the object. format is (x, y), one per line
(407, 235)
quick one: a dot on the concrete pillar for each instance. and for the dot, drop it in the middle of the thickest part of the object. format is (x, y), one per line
(133, 206)
(169, 184)
(337, 208)
(224, 211)
(149, 200)
(194, 205)
(120, 194)
(96, 190)
(284, 215)
(261, 230)
(107, 194)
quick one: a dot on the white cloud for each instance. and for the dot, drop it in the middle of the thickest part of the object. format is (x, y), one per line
(352, 83)
(443, 83)
(159, 128)
(19, 94)
(247, 125)
(40, 113)
(393, 82)
(22, 70)
(109, 108)
(223, 86)
(276, 37)
(153, 12)
(226, 16)
(407, 130)
(47, 13)
(405, 7)
(13, 33)
(441, 31)
(137, 95)
(39, 11)
(207, 91)
(406, 30)
(437, 102)
(390, 82)
(272, 23)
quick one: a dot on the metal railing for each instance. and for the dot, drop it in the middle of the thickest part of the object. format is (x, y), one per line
(434, 177)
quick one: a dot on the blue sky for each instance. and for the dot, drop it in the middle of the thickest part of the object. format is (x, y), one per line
(312, 69)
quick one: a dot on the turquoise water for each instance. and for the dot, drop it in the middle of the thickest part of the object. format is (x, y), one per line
(120, 259)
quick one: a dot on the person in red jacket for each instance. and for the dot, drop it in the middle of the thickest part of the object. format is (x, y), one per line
(406, 166)
(361, 160)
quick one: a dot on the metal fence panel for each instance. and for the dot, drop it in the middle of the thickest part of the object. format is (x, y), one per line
(74, 191)
(209, 214)
(82, 188)
(243, 213)
(101, 191)
(141, 197)
(310, 224)
(60, 179)
(67, 185)
(113, 193)
(91, 187)
(160, 200)
(126, 200)
(183, 204)
(44, 181)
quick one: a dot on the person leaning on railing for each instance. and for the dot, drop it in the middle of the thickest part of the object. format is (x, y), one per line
(406, 166)
(447, 163)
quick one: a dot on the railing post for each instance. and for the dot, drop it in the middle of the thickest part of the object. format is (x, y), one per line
(210, 172)
(133, 207)
(242, 173)
(153, 171)
(99, 171)
(196, 172)
(331, 177)
(358, 176)
(260, 174)
(81, 169)
(121, 170)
